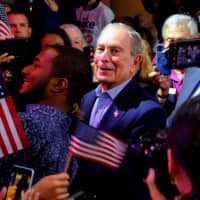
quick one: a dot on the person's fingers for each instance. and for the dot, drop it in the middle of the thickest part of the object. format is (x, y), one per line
(3, 193)
(150, 176)
(9, 58)
(152, 172)
(62, 176)
(6, 58)
(153, 74)
(162, 78)
(62, 196)
(3, 55)
(31, 195)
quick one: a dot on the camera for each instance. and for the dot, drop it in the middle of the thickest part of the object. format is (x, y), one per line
(184, 53)
(180, 54)
(150, 151)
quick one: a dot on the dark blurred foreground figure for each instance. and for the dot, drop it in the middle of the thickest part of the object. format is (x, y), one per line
(53, 85)
(183, 152)
(127, 113)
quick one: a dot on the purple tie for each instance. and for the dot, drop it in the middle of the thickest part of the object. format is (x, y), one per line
(101, 105)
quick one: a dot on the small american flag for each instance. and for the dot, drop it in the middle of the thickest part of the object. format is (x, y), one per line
(4, 28)
(97, 146)
(12, 137)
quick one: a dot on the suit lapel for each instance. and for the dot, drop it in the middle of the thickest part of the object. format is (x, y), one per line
(190, 82)
(86, 106)
(126, 99)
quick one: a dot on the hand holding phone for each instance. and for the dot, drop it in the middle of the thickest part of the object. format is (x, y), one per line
(161, 60)
(20, 180)
(18, 47)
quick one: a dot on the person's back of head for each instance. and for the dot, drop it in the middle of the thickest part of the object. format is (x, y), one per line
(55, 36)
(73, 65)
(184, 139)
(89, 3)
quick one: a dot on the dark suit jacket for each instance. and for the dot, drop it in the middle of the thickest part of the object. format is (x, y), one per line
(132, 113)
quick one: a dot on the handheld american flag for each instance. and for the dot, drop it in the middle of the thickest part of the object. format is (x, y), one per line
(97, 146)
(12, 137)
(4, 28)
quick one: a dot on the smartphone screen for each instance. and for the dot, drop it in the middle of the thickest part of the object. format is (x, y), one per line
(184, 53)
(20, 180)
(161, 60)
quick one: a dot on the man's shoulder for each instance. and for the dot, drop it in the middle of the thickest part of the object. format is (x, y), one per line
(134, 94)
(90, 94)
(41, 116)
(150, 104)
(192, 69)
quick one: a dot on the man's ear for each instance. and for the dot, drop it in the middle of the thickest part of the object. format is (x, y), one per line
(58, 85)
(136, 63)
(30, 31)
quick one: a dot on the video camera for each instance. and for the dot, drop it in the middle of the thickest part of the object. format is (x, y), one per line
(150, 151)
(181, 54)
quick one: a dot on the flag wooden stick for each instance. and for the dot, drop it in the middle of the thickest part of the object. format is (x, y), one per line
(68, 162)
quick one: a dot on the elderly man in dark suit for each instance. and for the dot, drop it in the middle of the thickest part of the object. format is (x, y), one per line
(127, 113)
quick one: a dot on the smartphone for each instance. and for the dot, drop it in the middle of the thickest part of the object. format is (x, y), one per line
(161, 60)
(184, 53)
(21, 179)
(18, 47)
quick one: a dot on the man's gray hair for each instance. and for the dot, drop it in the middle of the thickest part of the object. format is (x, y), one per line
(180, 19)
(135, 38)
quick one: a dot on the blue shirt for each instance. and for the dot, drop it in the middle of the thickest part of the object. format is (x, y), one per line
(46, 129)
(106, 97)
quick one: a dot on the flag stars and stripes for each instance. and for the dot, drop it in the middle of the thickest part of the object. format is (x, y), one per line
(12, 136)
(103, 148)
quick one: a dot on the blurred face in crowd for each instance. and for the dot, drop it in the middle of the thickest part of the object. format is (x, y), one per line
(179, 32)
(75, 37)
(114, 62)
(19, 25)
(36, 75)
(51, 39)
